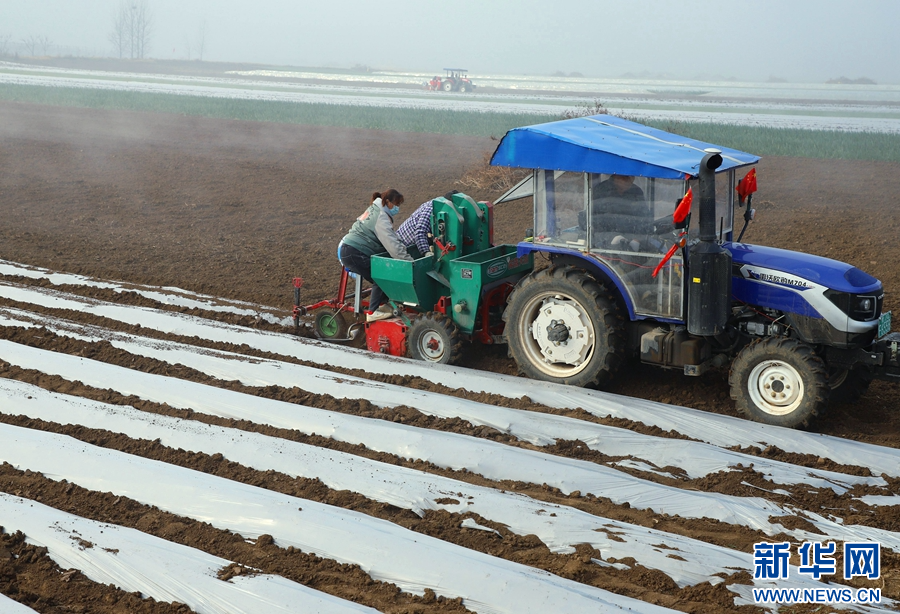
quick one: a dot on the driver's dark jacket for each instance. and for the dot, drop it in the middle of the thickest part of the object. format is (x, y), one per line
(619, 211)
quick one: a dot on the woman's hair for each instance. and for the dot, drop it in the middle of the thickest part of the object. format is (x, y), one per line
(389, 196)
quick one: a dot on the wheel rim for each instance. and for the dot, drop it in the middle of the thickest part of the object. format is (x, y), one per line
(837, 377)
(550, 312)
(328, 324)
(432, 346)
(776, 387)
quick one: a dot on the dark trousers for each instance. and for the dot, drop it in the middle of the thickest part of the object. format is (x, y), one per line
(357, 262)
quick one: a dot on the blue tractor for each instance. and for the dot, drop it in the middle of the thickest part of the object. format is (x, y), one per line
(632, 276)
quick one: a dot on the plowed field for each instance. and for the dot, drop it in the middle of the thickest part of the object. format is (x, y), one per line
(193, 434)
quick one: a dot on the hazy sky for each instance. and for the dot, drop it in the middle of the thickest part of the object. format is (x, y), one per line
(799, 40)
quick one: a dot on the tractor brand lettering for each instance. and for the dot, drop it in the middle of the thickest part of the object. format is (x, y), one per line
(779, 279)
(497, 269)
(782, 280)
(466, 273)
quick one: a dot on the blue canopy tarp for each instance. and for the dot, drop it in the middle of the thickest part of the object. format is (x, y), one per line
(609, 145)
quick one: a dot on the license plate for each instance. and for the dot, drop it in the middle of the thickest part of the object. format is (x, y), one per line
(884, 324)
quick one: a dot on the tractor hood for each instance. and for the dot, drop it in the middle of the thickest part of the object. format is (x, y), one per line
(609, 145)
(758, 262)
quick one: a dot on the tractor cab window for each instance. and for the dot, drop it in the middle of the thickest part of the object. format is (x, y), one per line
(559, 217)
(725, 201)
(630, 229)
(626, 222)
(619, 204)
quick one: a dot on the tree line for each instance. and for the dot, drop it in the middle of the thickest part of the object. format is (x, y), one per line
(132, 29)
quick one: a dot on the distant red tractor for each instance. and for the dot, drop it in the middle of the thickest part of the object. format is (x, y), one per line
(454, 81)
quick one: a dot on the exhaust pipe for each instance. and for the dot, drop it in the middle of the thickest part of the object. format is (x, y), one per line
(709, 264)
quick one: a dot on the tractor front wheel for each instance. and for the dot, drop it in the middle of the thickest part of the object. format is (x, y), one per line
(848, 385)
(329, 324)
(563, 327)
(433, 337)
(779, 381)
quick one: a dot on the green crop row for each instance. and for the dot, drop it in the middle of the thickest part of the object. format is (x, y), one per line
(757, 140)
(834, 144)
(322, 114)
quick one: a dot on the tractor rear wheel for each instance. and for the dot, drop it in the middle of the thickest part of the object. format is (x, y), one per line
(433, 337)
(779, 381)
(562, 326)
(447, 86)
(329, 324)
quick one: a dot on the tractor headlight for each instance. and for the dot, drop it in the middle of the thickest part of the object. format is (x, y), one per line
(861, 307)
(864, 308)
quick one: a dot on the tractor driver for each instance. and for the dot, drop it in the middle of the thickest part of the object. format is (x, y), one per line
(617, 192)
(373, 233)
(618, 206)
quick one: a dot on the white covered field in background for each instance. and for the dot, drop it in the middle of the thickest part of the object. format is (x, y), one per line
(871, 108)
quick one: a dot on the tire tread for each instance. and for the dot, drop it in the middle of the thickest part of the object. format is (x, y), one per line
(780, 348)
(612, 326)
(435, 320)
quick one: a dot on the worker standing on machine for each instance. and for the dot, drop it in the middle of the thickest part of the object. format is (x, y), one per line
(373, 233)
(416, 230)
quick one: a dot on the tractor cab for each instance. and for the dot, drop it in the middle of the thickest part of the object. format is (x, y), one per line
(624, 223)
(617, 213)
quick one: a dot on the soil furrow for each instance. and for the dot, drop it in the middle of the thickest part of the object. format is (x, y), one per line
(345, 581)
(494, 399)
(527, 549)
(28, 575)
(741, 483)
